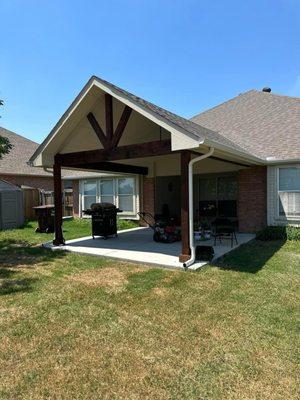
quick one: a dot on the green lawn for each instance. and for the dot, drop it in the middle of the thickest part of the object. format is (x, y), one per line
(80, 327)
(72, 229)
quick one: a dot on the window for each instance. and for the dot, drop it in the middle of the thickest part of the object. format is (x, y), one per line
(107, 191)
(118, 191)
(89, 194)
(126, 194)
(217, 195)
(289, 192)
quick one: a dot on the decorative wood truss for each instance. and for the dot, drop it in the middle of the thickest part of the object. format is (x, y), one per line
(110, 139)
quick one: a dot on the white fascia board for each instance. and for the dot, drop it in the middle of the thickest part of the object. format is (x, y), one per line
(274, 161)
(230, 150)
(37, 157)
(180, 142)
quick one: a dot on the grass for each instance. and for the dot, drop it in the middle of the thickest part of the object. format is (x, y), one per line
(78, 327)
(72, 229)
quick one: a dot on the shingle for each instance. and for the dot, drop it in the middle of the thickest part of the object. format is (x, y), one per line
(264, 124)
(190, 126)
(15, 162)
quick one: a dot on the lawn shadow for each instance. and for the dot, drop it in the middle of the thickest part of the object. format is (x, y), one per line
(15, 259)
(250, 257)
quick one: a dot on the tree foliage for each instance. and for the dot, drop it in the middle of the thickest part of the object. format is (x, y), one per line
(5, 145)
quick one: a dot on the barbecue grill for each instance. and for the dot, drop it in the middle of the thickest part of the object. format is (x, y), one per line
(104, 219)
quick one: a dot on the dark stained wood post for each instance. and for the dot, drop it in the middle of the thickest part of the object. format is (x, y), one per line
(109, 117)
(185, 250)
(58, 239)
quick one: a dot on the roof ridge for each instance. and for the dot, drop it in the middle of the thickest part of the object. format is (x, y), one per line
(277, 94)
(221, 104)
(16, 134)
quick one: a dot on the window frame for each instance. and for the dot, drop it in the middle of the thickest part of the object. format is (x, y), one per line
(115, 181)
(133, 212)
(278, 191)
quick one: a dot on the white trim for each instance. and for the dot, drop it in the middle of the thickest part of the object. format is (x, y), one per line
(287, 217)
(135, 195)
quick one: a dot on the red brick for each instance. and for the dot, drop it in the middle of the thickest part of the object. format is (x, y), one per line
(252, 199)
(148, 198)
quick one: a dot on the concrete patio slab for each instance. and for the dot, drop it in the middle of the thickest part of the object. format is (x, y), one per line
(136, 245)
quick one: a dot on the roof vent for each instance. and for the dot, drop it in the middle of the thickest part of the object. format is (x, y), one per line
(267, 89)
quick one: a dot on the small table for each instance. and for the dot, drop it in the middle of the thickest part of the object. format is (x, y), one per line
(45, 217)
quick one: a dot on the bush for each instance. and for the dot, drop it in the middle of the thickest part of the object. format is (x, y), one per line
(279, 233)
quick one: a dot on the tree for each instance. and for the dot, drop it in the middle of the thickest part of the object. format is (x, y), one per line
(5, 145)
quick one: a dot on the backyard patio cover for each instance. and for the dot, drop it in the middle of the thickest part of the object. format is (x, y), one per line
(105, 127)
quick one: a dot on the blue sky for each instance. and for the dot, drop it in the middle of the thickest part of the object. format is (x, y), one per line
(184, 55)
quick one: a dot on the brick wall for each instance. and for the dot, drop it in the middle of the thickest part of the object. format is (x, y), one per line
(252, 199)
(38, 182)
(148, 196)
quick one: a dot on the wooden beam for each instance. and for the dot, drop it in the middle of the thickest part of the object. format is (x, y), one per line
(148, 149)
(115, 167)
(109, 118)
(97, 129)
(58, 238)
(121, 126)
(185, 241)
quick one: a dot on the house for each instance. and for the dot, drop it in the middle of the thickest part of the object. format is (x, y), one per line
(240, 159)
(14, 167)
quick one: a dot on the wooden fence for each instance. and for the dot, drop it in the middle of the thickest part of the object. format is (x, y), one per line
(35, 197)
(31, 198)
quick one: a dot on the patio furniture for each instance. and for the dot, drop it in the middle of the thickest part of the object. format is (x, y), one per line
(104, 219)
(223, 228)
(45, 217)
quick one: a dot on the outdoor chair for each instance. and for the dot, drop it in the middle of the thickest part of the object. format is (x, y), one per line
(223, 228)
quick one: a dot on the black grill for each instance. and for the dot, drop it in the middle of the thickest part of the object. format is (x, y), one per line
(104, 219)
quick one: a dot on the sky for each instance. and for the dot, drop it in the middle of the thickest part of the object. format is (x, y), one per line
(185, 56)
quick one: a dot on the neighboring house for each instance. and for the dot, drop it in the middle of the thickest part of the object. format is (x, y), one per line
(252, 174)
(14, 166)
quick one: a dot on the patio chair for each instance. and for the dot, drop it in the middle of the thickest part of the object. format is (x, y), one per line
(223, 228)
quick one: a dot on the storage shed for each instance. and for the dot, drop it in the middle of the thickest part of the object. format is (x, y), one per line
(11, 206)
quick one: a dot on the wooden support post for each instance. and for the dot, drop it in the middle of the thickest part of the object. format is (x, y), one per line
(185, 250)
(58, 239)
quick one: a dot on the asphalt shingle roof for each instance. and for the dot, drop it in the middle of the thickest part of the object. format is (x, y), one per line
(15, 162)
(190, 126)
(264, 124)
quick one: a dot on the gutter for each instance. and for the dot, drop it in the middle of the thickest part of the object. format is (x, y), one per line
(191, 206)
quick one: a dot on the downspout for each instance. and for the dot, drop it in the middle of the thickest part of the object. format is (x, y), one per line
(191, 206)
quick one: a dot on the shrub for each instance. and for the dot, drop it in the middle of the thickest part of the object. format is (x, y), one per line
(279, 233)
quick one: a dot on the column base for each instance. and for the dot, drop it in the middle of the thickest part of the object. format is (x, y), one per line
(184, 257)
(58, 242)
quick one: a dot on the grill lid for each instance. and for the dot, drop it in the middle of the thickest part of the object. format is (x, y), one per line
(103, 206)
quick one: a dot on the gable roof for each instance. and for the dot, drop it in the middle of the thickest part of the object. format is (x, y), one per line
(264, 124)
(188, 125)
(15, 162)
(159, 115)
